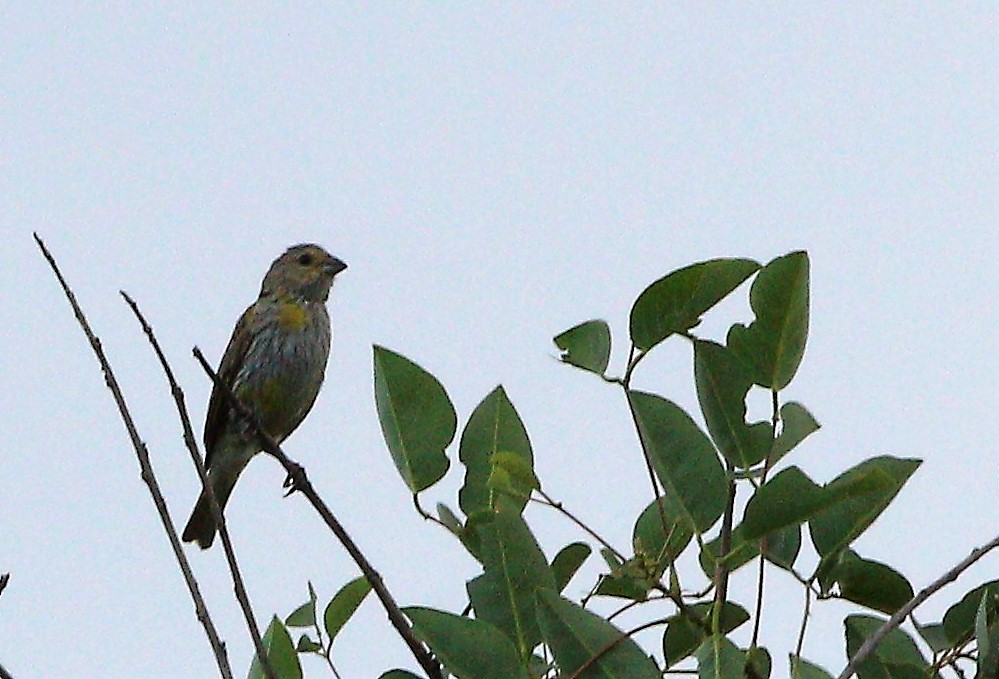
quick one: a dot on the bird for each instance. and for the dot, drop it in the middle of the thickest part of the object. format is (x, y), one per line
(274, 363)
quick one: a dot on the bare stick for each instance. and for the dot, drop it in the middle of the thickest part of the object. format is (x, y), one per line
(924, 594)
(239, 586)
(4, 579)
(4, 674)
(218, 648)
(299, 481)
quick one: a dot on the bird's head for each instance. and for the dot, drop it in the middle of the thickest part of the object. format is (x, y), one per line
(305, 271)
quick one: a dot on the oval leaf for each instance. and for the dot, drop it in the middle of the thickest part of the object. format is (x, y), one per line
(683, 636)
(569, 560)
(676, 302)
(416, 416)
(586, 346)
(662, 543)
(494, 427)
(280, 652)
(773, 344)
(468, 648)
(683, 458)
(343, 604)
(788, 499)
(796, 425)
(871, 583)
(575, 636)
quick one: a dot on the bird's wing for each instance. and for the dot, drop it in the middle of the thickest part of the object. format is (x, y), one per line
(219, 411)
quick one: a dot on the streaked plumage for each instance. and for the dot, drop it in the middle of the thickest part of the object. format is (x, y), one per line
(274, 363)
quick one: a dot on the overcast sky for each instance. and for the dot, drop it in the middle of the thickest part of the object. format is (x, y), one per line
(492, 175)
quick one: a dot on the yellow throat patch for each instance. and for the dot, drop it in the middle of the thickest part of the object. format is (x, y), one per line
(291, 316)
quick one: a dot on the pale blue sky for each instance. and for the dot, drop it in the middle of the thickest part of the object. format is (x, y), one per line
(493, 175)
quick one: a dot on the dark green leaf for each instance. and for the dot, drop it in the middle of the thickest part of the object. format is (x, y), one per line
(740, 553)
(399, 674)
(676, 302)
(449, 519)
(860, 495)
(683, 458)
(307, 645)
(468, 648)
(758, 663)
(719, 658)
(586, 346)
(575, 636)
(569, 560)
(782, 546)
(515, 567)
(624, 586)
(683, 636)
(280, 653)
(494, 427)
(303, 616)
(870, 583)
(788, 499)
(934, 636)
(987, 637)
(649, 537)
(959, 620)
(417, 418)
(722, 384)
(896, 655)
(796, 425)
(802, 669)
(343, 604)
(772, 345)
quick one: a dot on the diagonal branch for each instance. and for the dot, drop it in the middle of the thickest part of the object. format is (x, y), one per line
(218, 647)
(298, 480)
(924, 594)
(239, 587)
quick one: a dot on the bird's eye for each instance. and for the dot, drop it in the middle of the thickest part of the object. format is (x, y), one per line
(305, 259)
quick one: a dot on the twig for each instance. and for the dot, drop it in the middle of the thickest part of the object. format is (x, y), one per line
(924, 594)
(603, 651)
(299, 481)
(724, 545)
(4, 579)
(147, 471)
(4, 674)
(239, 586)
(557, 506)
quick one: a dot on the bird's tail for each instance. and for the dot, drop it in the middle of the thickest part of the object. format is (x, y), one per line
(201, 526)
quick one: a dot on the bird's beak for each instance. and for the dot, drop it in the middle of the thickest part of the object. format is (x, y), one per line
(334, 266)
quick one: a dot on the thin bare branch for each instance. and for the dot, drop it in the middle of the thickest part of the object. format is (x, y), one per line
(299, 481)
(4, 674)
(924, 594)
(239, 586)
(148, 477)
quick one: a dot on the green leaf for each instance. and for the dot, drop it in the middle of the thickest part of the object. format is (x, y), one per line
(399, 674)
(896, 655)
(959, 620)
(802, 669)
(758, 663)
(861, 494)
(870, 583)
(449, 519)
(586, 346)
(683, 458)
(468, 648)
(343, 604)
(515, 567)
(575, 636)
(719, 658)
(280, 653)
(307, 645)
(494, 427)
(567, 562)
(676, 302)
(624, 585)
(683, 636)
(934, 636)
(722, 384)
(512, 474)
(417, 418)
(788, 499)
(662, 544)
(782, 546)
(796, 425)
(772, 345)
(303, 616)
(987, 637)
(740, 553)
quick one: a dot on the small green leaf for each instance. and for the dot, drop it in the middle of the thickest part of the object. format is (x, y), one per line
(870, 583)
(468, 648)
(860, 494)
(758, 663)
(662, 543)
(399, 674)
(959, 620)
(896, 650)
(575, 636)
(586, 346)
(449, 519)
(416, 416)
(280, 653)
(722, 384)
(624, 585)
(567, 562)
(788, 499)
(796, 425)
(303, 616)
(307, 645)
(343, 604)
(683, 636)
(719, 658)
(802, 669)
(772, 346)
(683, 458)
(676, 302)
(934, 636)
(494, 427)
